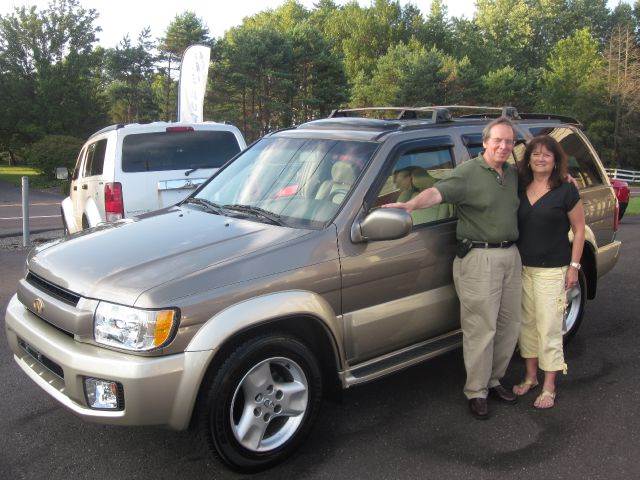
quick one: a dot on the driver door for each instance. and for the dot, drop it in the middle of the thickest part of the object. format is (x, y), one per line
(400, 292)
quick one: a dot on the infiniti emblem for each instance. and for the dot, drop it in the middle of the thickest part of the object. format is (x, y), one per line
(38, 305)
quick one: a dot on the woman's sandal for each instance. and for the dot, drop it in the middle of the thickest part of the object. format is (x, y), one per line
(525, 386)
(547, 398)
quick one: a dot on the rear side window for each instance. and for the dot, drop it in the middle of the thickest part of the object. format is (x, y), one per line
(76, 169)
(582, 164)
(95, 158)
(159, 151)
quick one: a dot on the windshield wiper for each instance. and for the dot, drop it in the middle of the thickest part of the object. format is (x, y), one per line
(207, 204)
(271, 217)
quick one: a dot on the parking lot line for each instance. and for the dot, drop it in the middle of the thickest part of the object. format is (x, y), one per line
(31, 217)
(31, 204)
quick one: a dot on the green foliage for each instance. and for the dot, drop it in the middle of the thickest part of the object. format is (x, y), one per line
(53, 151)
(287, 65)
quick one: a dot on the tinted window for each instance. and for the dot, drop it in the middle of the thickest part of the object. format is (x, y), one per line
(88, 160)
(413, 172)
(177, 150)
(76, 169)
(95, 158)
(582, 164)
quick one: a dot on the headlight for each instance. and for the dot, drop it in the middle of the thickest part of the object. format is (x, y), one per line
(133, 328)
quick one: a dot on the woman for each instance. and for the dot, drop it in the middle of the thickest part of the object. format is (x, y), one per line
(548, 206)
(403, 181)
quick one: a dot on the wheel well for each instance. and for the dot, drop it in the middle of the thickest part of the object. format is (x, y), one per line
(590, 269)
(307, 329)
(85, 222)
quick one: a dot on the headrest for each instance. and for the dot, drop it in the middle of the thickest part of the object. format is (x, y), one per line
(421, 179)
(343, 172)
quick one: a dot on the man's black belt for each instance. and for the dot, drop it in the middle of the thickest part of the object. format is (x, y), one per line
(505, 244)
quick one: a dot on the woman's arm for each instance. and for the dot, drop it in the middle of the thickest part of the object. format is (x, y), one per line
(576, 218)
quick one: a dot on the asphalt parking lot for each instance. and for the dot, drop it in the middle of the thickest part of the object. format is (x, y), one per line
(410, 425)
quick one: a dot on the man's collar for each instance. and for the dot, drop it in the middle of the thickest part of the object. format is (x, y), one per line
(483, 163)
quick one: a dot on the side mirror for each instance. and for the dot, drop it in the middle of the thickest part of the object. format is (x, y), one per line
(382, 224)
(62, 173)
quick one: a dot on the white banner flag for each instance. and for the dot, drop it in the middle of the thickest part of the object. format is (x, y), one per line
(194, 70)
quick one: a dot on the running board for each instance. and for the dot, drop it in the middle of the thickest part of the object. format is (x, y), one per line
(401, 359)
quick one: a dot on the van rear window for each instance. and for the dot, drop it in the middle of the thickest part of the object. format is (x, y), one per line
(146, 152)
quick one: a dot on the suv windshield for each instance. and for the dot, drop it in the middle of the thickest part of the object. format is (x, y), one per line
(146, 152)
(302, 181)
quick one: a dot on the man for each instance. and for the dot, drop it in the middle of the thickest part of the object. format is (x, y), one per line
(487, 268)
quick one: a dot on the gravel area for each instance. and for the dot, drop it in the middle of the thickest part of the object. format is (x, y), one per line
(15, 243)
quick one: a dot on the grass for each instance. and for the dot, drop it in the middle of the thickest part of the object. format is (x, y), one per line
(36, 179)
(634, 207)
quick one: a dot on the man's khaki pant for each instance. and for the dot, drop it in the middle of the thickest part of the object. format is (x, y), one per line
(489, 286)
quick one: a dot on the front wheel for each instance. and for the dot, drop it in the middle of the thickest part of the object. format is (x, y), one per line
(574, 309)
(261, 402)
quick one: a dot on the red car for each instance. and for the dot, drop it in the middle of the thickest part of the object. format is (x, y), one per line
(621, 188)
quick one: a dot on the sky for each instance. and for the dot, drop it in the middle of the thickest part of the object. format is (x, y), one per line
(120, 17)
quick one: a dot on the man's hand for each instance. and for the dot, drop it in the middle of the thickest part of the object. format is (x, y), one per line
(572, 278)
(570, 179)
(403, 205)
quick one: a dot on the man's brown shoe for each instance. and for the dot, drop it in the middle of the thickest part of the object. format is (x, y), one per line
(500, 393)
(478, 408)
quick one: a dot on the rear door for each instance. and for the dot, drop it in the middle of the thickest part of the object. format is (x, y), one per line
(160, 168)
(399, 292)
(93, 184)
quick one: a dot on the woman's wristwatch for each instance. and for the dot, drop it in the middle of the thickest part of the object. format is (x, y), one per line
(575, 265)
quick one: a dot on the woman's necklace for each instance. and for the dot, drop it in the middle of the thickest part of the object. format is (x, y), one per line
(536, 191)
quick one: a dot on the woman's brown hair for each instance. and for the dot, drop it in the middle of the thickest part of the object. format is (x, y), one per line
(559, 173)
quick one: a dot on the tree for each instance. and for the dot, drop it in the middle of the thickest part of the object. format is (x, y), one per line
(47, 69)
(130, 69)
(184, 30)
(437, 28)
(622, 64)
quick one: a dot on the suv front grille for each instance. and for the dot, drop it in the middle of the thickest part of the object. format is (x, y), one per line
(55, 291)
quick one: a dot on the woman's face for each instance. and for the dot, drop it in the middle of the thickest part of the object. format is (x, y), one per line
(403, 181)
(542, 160)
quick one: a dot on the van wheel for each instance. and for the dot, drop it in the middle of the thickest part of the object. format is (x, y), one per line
(261, 403)
(85, 222)
(574, 310)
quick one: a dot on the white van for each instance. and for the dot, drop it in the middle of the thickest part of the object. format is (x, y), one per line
(127, 170)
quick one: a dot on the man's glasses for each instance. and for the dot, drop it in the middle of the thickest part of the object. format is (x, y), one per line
(498, 141)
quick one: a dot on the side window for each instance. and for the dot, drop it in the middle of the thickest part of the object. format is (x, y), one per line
(76, 169)
(98, 157)
(91, 149)
(582, 164)
(413, 172)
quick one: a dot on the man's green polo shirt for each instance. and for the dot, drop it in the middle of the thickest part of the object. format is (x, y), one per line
(487, 205)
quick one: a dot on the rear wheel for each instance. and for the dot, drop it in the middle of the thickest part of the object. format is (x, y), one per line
(574, 310)
(261, 403)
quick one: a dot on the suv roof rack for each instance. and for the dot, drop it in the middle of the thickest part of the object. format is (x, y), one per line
(442, 113)
(108, 129)
(435, 114)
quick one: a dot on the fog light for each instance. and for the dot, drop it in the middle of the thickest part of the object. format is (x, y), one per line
(101, 394)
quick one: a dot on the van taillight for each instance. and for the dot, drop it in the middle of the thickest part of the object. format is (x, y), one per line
(113, 204)
(616, 216)
(179, 129)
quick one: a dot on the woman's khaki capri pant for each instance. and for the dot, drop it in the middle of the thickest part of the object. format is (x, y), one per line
(543, 307)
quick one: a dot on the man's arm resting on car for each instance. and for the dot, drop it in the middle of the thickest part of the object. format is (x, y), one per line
(425, 199)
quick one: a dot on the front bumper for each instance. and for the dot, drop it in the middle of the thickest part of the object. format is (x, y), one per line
(157, 390)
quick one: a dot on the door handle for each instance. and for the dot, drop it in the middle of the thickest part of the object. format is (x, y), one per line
(75, 187)
(84, 187)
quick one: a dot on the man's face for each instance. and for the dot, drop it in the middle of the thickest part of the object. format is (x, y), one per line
(499, 145)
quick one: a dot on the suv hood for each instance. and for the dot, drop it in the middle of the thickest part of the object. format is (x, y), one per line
(117, 262)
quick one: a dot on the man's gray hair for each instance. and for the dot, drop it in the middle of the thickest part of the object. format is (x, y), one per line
(486, 133)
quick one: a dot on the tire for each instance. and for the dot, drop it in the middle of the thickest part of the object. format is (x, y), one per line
(260, 404)
(574, 311)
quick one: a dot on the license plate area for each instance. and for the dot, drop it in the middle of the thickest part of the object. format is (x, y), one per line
(43, 360)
